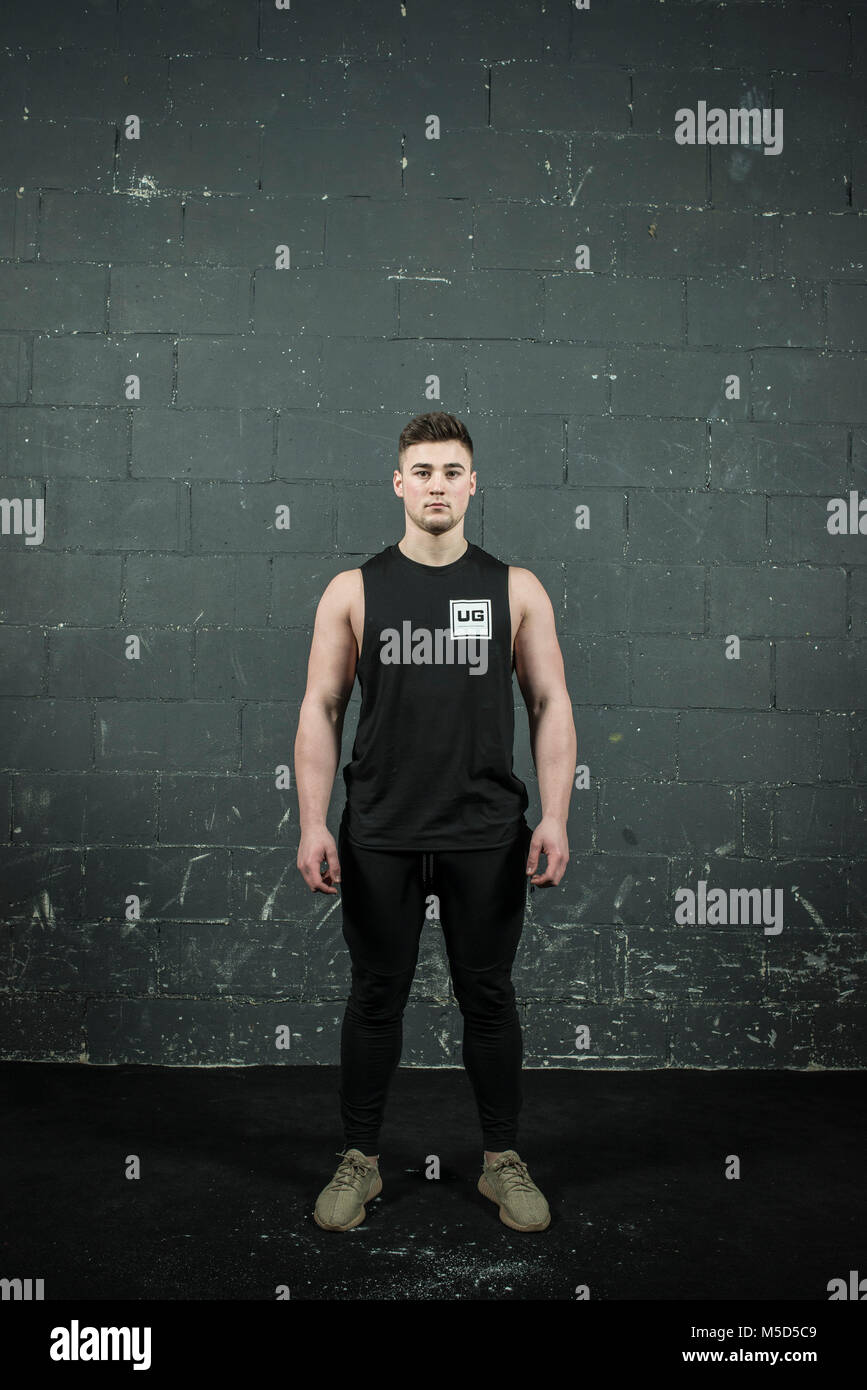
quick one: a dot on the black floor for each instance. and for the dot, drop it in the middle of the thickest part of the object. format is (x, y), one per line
(632, 1165)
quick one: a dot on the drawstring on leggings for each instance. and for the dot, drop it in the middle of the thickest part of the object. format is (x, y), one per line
(426, 868)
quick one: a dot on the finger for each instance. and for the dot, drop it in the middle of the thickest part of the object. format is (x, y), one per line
(555, 869)
(333, 866)
(325, 871)
(311, 872)
(322, 882)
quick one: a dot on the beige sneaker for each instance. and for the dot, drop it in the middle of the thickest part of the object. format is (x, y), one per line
(340, 1205)
(508, 1183)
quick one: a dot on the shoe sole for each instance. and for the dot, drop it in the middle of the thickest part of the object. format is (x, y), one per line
(357, 1220)
(487, 1191)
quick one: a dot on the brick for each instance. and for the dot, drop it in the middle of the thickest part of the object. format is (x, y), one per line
(209, 960)
(81, 958)
(88, 661)
(680, 242)
(41, 1027)
(22, 661)
(383, 91)
(235, 231)
(553, 96)
(393, 374)
(194, 735)
(189, 590)
(698, 963)
(736, 310)
(551, 378)
(93, 370)
(710, 528)
(40, 885)
(92, 83)
(641, 814)
(822, 244)
(172, 884)
(747, 746)
(310, 32)
(824, 386)
(251, 665)
(526, 237)
(39, 153)
(242, 88)
(615, 169)
(226, 811)
(776, 456)
(813, 966)
(750, 1036)
(52, 442)
(328, 301)
(248, 371)
(823, 820)
(486, 164)
(19, 213)
(71, 300)
(824, 675)
(333, 162)
(808, 39)
(623, 1035)
(113, 514)
(847, 307)
(668, 381)
(481, 304)
(777, 601)
(234, 518)
(627, 743)
(636, 453)
(130, 225)
(84, 807)
(228, 445)
(584, 307)
(14, 368)
(401, 237)
(179, 299)
(51, 734)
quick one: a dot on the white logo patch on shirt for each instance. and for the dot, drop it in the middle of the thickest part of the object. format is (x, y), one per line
(470, 617)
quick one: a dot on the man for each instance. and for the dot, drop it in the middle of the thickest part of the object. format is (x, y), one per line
(433, 626)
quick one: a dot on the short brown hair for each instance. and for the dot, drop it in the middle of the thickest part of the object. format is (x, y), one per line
(428, 429)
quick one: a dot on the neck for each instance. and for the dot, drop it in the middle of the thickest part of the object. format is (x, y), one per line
(433, 550)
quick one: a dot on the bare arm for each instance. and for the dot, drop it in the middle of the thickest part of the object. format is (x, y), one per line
(541, 677)
(330, 677)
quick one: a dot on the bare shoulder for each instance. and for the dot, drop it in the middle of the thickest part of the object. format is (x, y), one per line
(343, 590)
(527, 591)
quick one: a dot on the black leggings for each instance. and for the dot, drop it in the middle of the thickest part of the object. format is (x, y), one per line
(482, 894)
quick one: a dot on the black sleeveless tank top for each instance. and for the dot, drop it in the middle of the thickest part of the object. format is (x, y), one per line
(431, 765)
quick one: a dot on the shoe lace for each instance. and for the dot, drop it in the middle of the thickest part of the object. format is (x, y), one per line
(349, 1171)
(514, 1173)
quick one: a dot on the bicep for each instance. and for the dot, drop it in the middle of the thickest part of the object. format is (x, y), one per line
(538, 659)
(333, 649)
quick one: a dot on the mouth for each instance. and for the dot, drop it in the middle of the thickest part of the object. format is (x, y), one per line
(437, 506)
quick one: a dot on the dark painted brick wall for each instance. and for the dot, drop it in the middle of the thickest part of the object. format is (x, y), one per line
(261, 387)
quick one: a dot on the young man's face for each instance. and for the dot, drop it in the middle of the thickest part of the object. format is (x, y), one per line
(437, 483)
